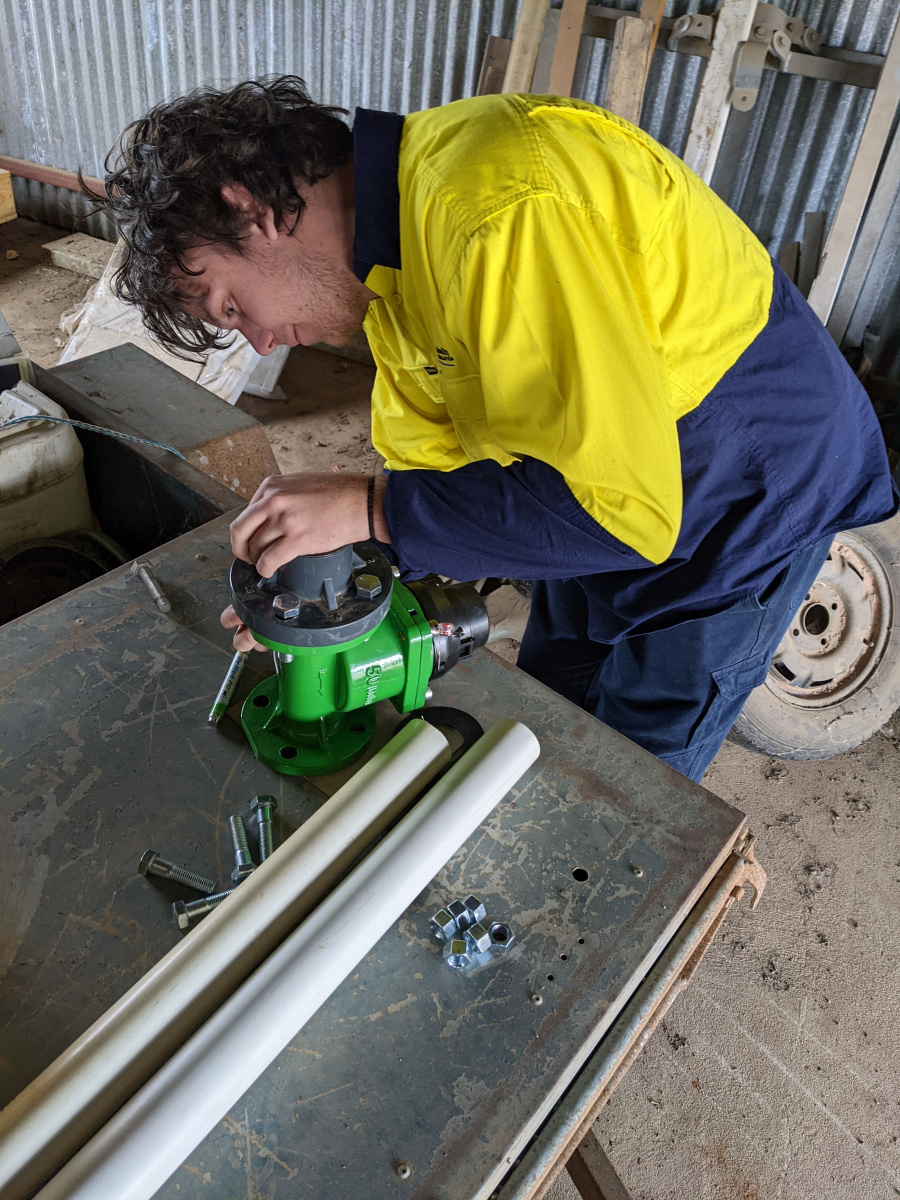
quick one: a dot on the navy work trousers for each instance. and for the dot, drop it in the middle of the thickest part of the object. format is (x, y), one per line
(678, 691)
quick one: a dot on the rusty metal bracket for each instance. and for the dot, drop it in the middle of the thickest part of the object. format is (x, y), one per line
(773, 32)
(695, 26)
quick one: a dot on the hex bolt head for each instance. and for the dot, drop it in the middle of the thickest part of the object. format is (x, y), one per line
(147, 860)
(502, 937)
(443, 925)
(241, 871)
(478, 938)
(368, 586)
(459, 913)
(475, 908)
(262, 803)
(286, 606)
(457, 953)
(179, 912)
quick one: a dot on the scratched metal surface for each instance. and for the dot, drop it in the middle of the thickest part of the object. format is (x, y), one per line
(104, 751)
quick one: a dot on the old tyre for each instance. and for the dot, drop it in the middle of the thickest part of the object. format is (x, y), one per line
(835, 678)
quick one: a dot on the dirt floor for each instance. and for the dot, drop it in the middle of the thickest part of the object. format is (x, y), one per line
(775, 1075)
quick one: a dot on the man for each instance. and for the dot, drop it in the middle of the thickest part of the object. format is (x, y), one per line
(590, 374)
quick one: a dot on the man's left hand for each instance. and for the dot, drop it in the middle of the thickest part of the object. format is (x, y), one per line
(291, 515)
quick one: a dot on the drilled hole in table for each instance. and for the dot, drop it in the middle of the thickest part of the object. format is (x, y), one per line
(580, 874)
(550, 978)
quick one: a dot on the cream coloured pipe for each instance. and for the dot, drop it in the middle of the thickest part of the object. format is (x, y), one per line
(144, 1143)
(61, 1109)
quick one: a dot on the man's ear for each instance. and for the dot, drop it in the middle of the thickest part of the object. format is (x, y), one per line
(236, 196)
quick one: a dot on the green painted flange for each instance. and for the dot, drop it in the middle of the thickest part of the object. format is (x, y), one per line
(315, 747)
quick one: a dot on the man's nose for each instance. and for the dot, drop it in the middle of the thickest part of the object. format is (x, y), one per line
(262, 340)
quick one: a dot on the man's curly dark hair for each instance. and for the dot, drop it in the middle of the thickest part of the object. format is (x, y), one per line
(164, 180)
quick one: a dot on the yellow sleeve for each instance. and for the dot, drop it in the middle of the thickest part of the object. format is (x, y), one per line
(555, 312)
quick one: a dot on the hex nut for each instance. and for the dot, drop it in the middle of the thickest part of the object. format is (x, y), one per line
(443, 925)
(179, 912)
(242, 871)
(475, 908)
(502, 937)
(286, 606)
(457, 953)
(368, 586)
(478, 938)
(460, 914)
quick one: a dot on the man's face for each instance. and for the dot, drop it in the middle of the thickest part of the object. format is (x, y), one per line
(285, 289)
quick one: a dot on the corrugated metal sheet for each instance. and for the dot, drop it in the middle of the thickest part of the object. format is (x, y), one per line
(77, 71)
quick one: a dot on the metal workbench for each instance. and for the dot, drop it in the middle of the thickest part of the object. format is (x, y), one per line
(599, 860)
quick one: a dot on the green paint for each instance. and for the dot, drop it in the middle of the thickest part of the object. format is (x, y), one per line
(317, 714)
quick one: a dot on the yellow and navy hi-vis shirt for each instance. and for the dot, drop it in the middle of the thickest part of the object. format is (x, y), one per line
(589, 367)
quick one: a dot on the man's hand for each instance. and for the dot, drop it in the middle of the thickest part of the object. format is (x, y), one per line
(301, 514)
(305, 514)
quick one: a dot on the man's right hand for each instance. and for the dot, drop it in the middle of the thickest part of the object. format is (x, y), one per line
(243, 638)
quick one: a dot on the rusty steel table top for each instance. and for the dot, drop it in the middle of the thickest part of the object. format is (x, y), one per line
(105, 751)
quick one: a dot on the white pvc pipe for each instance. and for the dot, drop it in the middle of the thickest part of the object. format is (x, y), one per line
(61, 1109)
(137, 1151)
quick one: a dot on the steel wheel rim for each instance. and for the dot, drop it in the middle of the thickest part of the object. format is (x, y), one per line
(840, 631)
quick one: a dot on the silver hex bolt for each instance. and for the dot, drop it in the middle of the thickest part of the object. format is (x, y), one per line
(243, 863)
(264, 807)
(184, 914)
(286, 606)
(144, 572)
(152, 864)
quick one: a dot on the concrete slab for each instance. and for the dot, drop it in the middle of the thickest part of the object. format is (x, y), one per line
(81, 253)
(775, 1075)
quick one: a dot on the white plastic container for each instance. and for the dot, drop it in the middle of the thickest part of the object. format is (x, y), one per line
(42, 486)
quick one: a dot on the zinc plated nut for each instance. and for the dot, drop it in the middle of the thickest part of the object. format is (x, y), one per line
(286, 606)
(368, 586)
(264, 807)
(460, 914)
(152, 864)
(475, 908)
(478, 938)
(502, 937)
(443, 925)
(458, 953)
(184, 914)
(243, 863)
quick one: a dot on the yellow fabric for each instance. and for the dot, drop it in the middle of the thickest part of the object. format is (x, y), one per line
(569, 289)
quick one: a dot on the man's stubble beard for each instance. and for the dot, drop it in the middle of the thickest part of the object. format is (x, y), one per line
(338, 301)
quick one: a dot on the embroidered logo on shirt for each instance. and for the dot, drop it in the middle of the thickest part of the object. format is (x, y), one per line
(444, 358)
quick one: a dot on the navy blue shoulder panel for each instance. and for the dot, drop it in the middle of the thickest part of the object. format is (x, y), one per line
(376, 152)
(785, 451)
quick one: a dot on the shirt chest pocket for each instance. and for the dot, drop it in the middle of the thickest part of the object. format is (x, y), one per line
(464, 399)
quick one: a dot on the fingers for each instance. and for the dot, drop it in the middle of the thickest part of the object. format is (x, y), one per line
(276, 554)
(244, 640)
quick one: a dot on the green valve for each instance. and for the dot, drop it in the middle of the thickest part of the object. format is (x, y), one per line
(345, 635)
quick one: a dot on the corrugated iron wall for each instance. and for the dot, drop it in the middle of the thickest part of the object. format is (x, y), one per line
(75, 72)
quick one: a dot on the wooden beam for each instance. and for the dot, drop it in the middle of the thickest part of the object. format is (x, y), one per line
(526, 40)
(594, 1176)
(733, 24)
(866, 162)
(493, 66)
(628, 68)
(568, 41)
(55, 176)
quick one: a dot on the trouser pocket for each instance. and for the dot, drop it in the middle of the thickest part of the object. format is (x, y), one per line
(730, 688)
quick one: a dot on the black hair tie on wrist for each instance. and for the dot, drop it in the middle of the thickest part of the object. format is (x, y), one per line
(370, 506)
